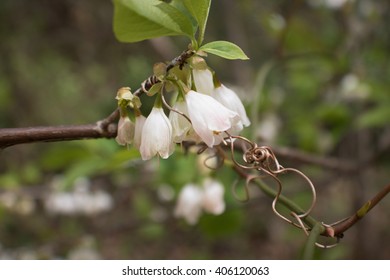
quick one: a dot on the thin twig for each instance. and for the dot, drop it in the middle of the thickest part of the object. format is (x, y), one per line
(105, 128)
(343, 226)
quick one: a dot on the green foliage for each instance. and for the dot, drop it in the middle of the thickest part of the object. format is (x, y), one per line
(376, 117)
(224, 49)
(200, 11)
(224, 225)
(140, 20)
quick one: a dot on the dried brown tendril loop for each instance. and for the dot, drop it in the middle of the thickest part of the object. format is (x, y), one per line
(246, 189)
(148, 83)
(312, 188)
(277, 196)
(336, 223)
(263, 158)
(220, 161)
(202, 149)
(231, 139)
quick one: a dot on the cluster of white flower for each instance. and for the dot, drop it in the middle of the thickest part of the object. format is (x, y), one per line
(193, 199)
(203, 110)
(80, 201)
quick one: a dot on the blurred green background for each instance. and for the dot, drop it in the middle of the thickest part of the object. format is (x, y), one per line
(318, 82)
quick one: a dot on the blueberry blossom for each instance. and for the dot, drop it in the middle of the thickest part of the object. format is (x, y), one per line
(156, 135)
(189, 204)
(230, 100)
(209, 117)
(125, 132)
(207, 83)
(181, 127)
(193, 199)
(213, 201)
(139, 125)
(203, 80)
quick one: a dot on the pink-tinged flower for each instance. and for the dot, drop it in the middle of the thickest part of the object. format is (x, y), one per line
(230, 100)
(181, 127)
(203, 80)
(209, 117)
(189, 203)
(139, 125)
(156, 135)
(213, 201)
(125, 132)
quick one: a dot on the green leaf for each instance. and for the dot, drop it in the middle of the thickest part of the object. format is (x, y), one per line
(199, 9)
(224, 49)
(136, 20)
(377, 117)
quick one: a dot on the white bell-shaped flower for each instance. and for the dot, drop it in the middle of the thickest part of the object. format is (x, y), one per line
(203, 80)
(156, 135)
(181, 127)
(230, 100)
(213, 201)
(125, 132)
(193, 199)
(189, 204)
(139, 125)
(209, 117)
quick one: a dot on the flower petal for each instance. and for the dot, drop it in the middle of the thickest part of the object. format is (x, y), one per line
(230, 100)
(209, 117)
(189, 203)
(203, 81)
(125, 132)
(139, 125)
(213, 201)
(156, 135)
(180, 125)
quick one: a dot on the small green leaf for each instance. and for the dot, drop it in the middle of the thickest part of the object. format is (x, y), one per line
(200, 11)
(154, 89)
(224, 49)
(136, 20)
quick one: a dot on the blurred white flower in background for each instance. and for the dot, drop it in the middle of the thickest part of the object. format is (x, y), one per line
(213, 201)
(189, 203)
(193, 199)
(81, 200)
(333, 4)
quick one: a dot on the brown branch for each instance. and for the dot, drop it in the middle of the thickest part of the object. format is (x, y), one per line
(343, 226)
(105, 128)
